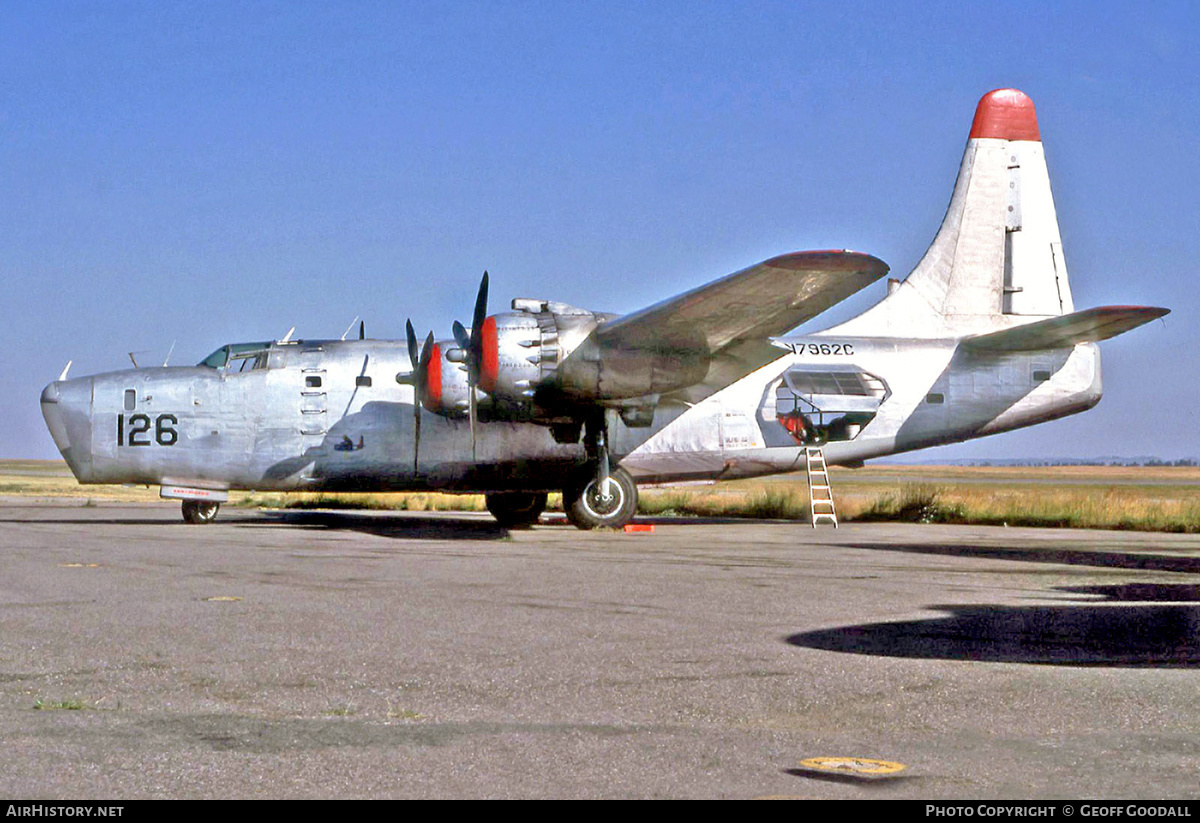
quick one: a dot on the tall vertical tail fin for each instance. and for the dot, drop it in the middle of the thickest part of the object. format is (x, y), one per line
(997, 259)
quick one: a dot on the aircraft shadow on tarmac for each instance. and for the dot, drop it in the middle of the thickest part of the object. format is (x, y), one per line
(403, 527)
(441, 526)
(1046, 554)
(93, 521)
(1161, 631)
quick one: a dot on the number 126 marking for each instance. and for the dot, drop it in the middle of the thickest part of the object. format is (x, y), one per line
(138, 430)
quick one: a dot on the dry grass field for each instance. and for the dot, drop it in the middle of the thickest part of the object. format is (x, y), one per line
(1116, 497)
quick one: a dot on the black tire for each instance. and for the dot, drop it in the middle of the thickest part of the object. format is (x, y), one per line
(587, 509)
(200, 512)
(516, 510)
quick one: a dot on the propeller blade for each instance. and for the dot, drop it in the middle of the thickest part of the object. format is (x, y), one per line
(420, 369)
(475, 362)
(481, 300)
(423, 363)
(416, 437)
(461, 337)
(413, 353)
(471, 412)
(472, 349)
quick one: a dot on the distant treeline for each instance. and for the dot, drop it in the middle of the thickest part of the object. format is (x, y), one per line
(1097, 461)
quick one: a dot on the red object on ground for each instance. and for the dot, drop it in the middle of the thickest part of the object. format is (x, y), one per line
(630, 528)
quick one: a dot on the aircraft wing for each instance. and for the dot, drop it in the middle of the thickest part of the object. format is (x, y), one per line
(762, 301)
(730, 321)
(1087, 326)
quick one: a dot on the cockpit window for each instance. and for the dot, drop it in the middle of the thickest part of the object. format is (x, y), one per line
(217, 359)
(238, 357)
(248, 361)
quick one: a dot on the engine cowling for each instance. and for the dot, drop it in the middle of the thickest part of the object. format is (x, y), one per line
(523, 350)
(545, 354)
(445, 386)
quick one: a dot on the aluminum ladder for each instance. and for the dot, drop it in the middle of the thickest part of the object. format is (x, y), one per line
(820, 494)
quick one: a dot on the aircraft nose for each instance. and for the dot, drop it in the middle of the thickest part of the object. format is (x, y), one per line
(66, 407)
(51, 397)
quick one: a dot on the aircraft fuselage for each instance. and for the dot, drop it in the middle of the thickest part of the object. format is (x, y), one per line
(331, 415)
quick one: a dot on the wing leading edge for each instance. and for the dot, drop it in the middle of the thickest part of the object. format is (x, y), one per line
(763, 300)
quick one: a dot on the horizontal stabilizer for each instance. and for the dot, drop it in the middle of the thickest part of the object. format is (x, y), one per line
(1086, 326)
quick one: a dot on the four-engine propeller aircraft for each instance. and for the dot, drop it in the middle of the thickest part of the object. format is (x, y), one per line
(981, 337)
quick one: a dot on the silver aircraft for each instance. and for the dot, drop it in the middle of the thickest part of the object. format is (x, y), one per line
(981, 337)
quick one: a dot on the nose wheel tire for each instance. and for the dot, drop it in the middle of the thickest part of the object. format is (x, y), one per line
(591, 507)
(199, 512)
(516, 510)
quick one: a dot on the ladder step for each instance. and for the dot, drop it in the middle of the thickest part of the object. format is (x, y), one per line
(820, 493)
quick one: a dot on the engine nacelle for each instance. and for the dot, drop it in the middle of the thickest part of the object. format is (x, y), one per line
(613, 374)
(545, 355)
(446, 391)
(522, 350)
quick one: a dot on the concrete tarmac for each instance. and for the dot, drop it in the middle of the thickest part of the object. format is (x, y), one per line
(405, 655)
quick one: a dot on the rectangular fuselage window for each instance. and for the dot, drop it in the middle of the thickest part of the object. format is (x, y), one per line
(312, 381)
(130, 399)
(935, 398)
(362, 381)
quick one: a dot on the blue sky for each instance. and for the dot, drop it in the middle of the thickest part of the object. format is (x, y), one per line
(201, 173)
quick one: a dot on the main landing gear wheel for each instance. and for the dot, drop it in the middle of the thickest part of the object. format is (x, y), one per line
(592, 507)
(199, 512)
(516, 510)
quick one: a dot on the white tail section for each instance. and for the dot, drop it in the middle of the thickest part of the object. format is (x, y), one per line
(997, 260)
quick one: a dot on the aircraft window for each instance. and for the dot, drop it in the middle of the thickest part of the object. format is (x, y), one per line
(854, 384)
(1041, 376)
(217, 359)
(817, 407)
(248, 361)
(312, 382)
(935, 398)
(362, 381)
(130, 399)
(256, 353)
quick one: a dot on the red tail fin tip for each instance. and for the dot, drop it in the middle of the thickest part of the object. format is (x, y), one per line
(1006, 114)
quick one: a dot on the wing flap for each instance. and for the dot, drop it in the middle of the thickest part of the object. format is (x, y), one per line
(766, 299)
(1087, 326)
